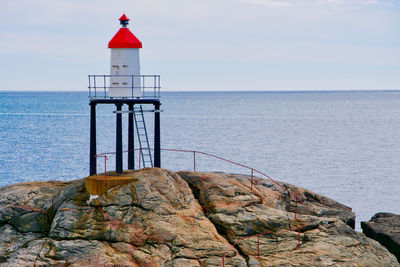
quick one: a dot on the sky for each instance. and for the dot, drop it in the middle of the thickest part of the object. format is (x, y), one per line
(205, 45)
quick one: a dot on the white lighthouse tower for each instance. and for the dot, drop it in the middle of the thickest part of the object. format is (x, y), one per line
(126, 86)
(125, 64)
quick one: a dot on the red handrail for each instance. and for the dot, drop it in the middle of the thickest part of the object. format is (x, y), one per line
(105, 163)
(297, 198)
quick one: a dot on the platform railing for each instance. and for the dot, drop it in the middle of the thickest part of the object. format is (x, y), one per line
(149, 85)
(292, 196)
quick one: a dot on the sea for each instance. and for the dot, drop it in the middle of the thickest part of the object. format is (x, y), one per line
(342, 144)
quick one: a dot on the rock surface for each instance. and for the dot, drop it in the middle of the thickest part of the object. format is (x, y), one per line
(179, 219)
(326, 239)
(384, 228)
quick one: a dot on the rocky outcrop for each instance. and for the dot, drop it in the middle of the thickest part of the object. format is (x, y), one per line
(154, 221)
(179, 219)
(384, 228)
(240, 215)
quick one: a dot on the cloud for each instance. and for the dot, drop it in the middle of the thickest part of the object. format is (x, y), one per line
(316, 3)
(176, 33)
(370, 2)
(81, 28)
(269, 3)
(64, 47)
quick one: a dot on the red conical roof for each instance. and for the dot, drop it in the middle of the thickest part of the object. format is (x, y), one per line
(125, 39)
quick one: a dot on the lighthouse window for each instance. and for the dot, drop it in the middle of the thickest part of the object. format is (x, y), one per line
(115, 66)
(115, 83)
(125, 66)
(125, 83)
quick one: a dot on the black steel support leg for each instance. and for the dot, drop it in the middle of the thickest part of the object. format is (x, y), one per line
(131, 140)
(118, 141)
(157, 137)
(92, 155)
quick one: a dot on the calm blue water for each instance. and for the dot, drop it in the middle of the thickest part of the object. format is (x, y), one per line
(344, 145)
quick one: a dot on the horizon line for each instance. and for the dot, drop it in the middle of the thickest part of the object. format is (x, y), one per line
(215, 91)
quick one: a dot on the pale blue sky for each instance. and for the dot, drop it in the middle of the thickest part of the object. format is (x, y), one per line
(209, 45)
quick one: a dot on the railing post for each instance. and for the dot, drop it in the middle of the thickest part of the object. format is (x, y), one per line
(154, 87)
(252, 170)
(90, 88)
(194, 161)
(140, 153)
(105, 85)
(105, 167)
(258, 246)
(95, 88)
(132, 85)
(143, 85)
(159, 85)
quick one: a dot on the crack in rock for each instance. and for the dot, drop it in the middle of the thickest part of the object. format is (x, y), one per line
(178, 219)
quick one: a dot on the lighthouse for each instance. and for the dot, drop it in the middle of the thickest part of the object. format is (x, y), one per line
(126, 86)
(125, 62)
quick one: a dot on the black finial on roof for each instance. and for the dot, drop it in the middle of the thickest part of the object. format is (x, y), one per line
(124, 20)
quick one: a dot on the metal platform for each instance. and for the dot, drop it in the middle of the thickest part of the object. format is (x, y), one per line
(99, 86)
(149, 85)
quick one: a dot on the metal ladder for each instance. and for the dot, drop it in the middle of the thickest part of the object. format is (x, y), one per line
(143, 139)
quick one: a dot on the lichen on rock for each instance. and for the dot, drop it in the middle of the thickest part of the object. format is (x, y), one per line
(164, 218)
(270, 217)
